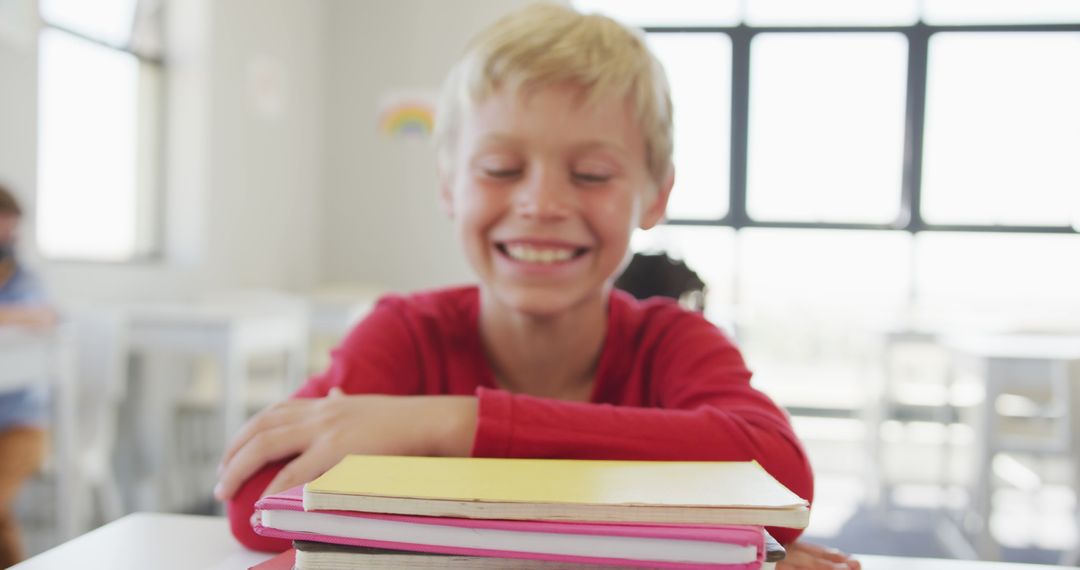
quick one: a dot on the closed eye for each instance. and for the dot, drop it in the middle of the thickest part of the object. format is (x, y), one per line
(591, 178)
(502, 173)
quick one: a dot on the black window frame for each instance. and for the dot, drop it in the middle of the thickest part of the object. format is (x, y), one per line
(909, 218)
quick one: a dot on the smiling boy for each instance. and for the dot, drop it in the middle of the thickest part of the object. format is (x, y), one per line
(555, 140)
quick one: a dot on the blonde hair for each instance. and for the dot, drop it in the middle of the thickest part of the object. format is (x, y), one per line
(544, 45)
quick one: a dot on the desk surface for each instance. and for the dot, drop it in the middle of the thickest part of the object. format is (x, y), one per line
(175, 542)
(1022, 346)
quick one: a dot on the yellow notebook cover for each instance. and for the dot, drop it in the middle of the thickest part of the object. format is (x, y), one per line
(555, 481)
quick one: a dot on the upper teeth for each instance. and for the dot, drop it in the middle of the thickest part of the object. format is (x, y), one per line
(538, 255)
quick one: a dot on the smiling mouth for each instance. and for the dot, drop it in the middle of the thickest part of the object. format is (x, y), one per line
(540, 254)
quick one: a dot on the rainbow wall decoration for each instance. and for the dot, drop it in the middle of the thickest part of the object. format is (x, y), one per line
(409, 116)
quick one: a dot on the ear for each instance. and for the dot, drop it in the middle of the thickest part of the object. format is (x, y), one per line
(446, 190)
(655, 209)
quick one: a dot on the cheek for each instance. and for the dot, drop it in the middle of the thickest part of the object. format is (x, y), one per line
(476, 213)
(617, 213)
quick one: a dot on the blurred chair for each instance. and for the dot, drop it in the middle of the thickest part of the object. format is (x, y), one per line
(102, 367)
(79, 479)
(907, 380)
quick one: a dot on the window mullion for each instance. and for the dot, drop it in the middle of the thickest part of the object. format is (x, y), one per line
(910, 217)
(740, 117)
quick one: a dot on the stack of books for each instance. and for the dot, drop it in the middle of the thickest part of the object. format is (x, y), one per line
(425, 512)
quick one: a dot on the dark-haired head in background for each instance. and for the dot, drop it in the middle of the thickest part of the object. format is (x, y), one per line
(657, 275)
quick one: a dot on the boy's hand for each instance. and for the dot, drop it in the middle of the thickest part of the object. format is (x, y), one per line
(321, 431)
(803, 556)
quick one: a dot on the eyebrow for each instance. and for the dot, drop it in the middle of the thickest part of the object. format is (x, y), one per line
(588, 145)
(618, 149)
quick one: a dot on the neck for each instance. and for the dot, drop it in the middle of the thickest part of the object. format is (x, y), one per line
(550, 356)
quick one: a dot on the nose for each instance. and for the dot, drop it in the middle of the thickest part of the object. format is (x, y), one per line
(544, 195)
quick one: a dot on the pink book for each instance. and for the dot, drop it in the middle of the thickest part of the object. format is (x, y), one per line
(668, 546)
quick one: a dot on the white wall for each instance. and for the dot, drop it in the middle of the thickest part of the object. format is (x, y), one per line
(18, 96)
(267, 160)
(383, 223)
(242, 187)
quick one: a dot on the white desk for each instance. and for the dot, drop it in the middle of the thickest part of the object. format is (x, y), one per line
(28, 357)
(230, 333)
(1009, 361)
(147, 540)
(183, 542)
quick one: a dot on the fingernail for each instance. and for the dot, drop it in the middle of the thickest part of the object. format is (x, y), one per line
(218, 492)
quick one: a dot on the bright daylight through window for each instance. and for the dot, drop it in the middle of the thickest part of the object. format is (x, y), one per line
(99, 135)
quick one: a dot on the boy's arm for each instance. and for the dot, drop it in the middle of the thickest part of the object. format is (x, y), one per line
(241, 507)
(702, 407)
(27, 316)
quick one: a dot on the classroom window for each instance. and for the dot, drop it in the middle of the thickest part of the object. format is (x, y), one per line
(830, 12)
(669, 13)
(702, 119)
(99, 144)
(109, 21)
(826, 127)
(1027, 273)
(1002, 129)
(847, 270)
(1000, 11)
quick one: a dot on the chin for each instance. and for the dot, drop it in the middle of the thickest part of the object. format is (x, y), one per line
(540, 304)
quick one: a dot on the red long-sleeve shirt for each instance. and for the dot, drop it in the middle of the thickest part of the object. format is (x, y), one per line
(669, 386)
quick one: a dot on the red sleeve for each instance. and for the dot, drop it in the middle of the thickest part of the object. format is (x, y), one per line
(240, 508)
(378, 357)
(701, 407)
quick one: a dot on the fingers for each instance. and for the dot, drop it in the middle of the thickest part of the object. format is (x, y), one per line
(804, 556)
(262, 448)
(833, 555)
(799, 563)
(311, 464)
(275, 416)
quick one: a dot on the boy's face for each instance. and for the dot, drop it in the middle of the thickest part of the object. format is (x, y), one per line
(545, 192)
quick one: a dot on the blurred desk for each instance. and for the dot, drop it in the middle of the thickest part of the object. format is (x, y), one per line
(231, 334)
(29, 357)
(185, 542)
(1012, 363)
(26, 356)
(149, 540)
